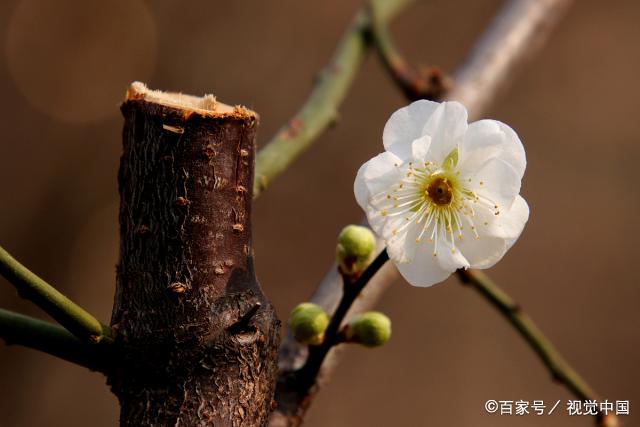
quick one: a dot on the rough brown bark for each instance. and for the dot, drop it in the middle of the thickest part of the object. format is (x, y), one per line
(198, 336)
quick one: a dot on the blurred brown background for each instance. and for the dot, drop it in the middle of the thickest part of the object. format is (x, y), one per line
(64, 67)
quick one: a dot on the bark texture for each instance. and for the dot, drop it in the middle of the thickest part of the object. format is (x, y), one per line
(198, 336)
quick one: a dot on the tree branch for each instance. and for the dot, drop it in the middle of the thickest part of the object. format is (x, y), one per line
(49, 338)
(560, 370)
(558, 367)
(308, 373)
(320, 110)
(430, 83)
(70, 315)
(513, 35)
(295, 388)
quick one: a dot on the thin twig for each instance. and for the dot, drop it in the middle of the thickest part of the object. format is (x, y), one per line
(70, 315)
(560, 370)
(351, 291)
(429, 83)
(320, 109)
(295, 388)
(47, 337)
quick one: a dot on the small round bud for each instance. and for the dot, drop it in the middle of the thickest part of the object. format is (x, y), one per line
(356, 246)
(371, 329)
(308, 322)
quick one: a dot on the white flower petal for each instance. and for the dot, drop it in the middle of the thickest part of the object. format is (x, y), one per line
(416, 261)
(488, 248)
(420, 148)
(446, 126)
(401, 249)
(477, 226)
(394, 220)
(497, 234)
(390, 228)
(487, 139)
(376, 175)
(450, 259)
(424, 270)
(406, 125)
(484, 253)
(496, 182)
(510, 226)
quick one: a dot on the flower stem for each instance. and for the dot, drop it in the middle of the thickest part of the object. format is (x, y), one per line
(321, 108)
(555, 363)
(73, 317)
(430, 84)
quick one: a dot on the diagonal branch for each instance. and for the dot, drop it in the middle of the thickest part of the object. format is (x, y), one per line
(558, 367)
(296, 388)
(552, 359)
(320, 110)
(308, 373)
(70, 315)
(47, 337)
(517, 32)
(429, 83)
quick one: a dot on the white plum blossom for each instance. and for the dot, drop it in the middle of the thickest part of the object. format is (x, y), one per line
(445, 194)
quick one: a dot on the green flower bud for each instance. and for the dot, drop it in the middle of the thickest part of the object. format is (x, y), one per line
(371, 329)
(308, 322)
(356, 246)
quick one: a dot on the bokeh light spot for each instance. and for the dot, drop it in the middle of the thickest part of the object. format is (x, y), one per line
(74, 60)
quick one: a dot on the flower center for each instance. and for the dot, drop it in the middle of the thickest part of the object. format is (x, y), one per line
(432, 203)
(440, 191)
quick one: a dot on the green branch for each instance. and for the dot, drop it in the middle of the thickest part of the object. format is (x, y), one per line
(558, 367)
(49, 338)
(431, 83)
(321, 108)
(70, 315)
(550, 356)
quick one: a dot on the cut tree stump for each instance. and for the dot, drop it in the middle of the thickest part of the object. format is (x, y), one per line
(197, 336)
